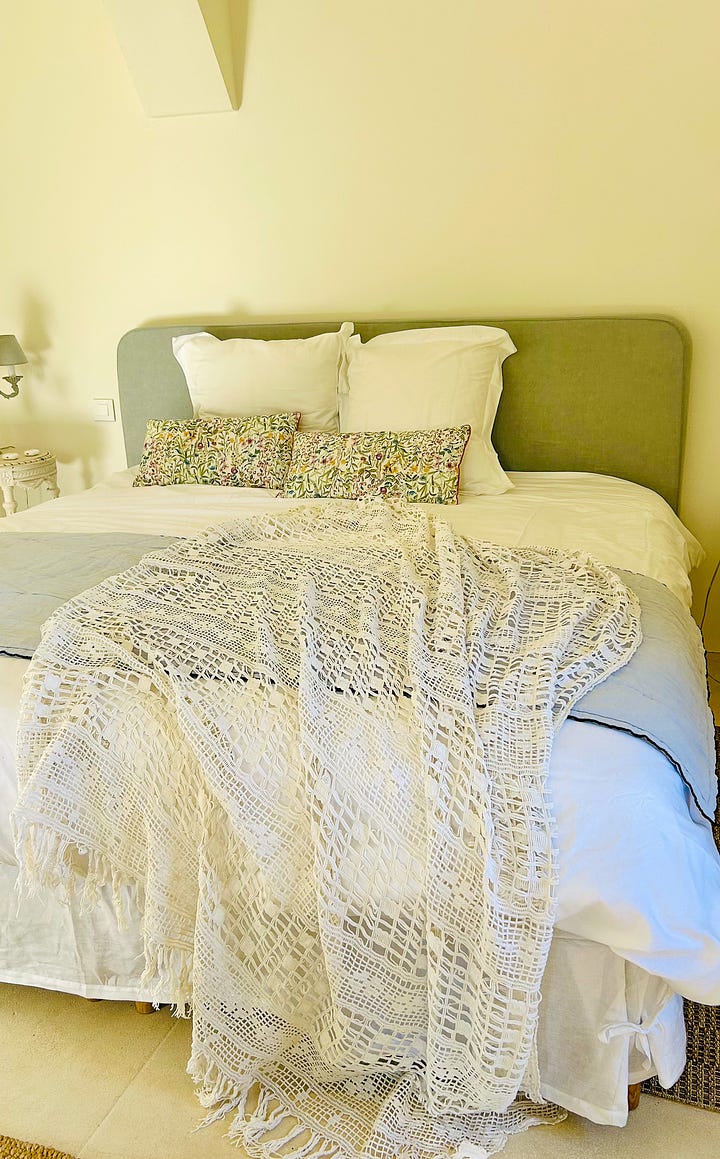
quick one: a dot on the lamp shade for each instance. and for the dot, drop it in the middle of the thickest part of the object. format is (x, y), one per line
(11, 352)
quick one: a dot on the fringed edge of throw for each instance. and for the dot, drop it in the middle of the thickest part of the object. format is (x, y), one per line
(267, 1126)
(169, 970)
(49, 860)
(263, 1122)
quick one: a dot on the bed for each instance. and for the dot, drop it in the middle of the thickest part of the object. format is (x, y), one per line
(589, 428)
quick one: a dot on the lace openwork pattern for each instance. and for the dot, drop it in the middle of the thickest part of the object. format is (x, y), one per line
(316, 743)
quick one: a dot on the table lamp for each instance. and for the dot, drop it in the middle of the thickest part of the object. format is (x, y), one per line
(11, 354)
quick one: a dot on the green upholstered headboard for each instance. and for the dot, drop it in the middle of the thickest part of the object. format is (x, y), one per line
(581, 394)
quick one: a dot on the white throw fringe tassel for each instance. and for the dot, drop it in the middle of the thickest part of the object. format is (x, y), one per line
(48, 860)
(267, 1126)
(53, 861)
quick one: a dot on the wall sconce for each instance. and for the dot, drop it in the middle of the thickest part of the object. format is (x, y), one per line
(11, 354)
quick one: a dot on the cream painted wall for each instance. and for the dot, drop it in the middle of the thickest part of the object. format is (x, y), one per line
(390, 157)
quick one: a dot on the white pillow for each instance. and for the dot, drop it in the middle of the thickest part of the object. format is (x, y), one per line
(480, 335)
(423, 379)
(257, 376)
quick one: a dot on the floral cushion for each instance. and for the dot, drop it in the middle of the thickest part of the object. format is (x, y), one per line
(230, 452)
(421, 466)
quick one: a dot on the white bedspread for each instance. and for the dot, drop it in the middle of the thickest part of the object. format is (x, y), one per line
(638, 869)
(618, 522)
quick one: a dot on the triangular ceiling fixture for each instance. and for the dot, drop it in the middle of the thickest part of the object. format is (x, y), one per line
(181, 53)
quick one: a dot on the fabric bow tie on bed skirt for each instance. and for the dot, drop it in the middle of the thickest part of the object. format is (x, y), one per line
(316, 743)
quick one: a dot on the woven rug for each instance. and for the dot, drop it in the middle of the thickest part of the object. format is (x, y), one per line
(15, 1149)
(699, 1084)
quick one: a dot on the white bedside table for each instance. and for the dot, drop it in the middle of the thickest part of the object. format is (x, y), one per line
(36, 469)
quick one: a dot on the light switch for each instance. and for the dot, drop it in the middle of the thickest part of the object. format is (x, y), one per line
(103, 410)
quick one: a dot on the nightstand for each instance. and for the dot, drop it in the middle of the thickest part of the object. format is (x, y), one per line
(28, 469)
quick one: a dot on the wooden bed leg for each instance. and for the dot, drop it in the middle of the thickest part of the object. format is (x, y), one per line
(634, 1096)
(144, 1007)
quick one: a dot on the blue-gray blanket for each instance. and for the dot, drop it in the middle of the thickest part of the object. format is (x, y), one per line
(660, 695)
(41, 571)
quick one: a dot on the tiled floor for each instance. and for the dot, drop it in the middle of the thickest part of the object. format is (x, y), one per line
(102, 1082)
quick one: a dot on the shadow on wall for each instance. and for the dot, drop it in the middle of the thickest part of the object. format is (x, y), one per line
(35, 341)
(227, 23)
(233, 317)
(74, 442)
(36, 328)
(238, 316)
(238, 32)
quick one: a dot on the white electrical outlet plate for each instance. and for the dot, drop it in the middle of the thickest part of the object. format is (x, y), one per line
(103, 410)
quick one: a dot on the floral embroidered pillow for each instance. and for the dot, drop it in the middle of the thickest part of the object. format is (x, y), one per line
(420, 466)
(228, 452)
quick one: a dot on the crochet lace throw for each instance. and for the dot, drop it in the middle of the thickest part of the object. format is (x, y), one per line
(316, 743)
